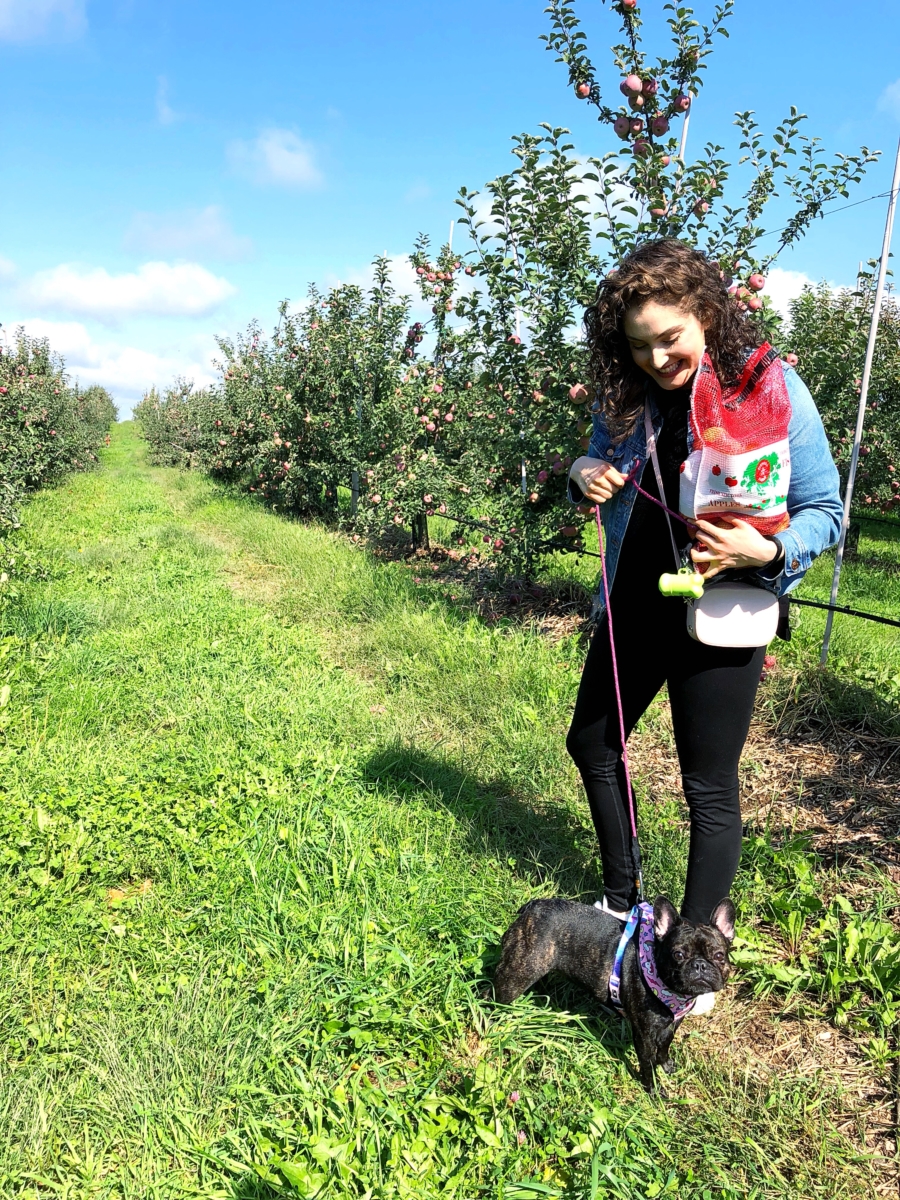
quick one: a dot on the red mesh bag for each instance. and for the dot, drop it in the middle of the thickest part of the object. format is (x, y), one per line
(740, 465)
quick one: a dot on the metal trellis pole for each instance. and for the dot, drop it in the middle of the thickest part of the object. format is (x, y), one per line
(684, 130)
(863, 397)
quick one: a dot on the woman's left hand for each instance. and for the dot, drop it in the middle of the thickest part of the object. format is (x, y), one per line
(726, 547)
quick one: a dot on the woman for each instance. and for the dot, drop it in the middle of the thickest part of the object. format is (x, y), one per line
(654, 320)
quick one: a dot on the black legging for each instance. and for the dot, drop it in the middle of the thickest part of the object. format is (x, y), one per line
(711, 691)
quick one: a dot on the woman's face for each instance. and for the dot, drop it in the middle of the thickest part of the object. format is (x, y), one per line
(665, 341)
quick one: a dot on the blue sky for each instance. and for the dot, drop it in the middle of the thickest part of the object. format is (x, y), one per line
(172, 169)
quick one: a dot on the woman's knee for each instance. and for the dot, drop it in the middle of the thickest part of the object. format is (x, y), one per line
(590, 752)
(714, 803)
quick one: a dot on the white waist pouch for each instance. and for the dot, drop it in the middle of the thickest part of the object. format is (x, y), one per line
(733, 614)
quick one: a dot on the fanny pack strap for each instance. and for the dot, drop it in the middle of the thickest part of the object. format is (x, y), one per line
(654, 457)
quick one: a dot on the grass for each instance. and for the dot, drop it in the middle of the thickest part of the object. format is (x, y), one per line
(267, 807)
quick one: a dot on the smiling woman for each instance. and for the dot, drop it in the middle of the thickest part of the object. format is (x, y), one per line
(679, 373)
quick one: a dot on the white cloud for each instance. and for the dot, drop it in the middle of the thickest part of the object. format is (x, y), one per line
(165, 114)
(26, 20)
(889, 100)
(192, 231)
(127, 371)
(783, 286)
(277, 157)
(7, 268)
(155, 289)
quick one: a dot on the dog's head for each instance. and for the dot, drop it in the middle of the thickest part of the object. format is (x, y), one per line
(693, 958)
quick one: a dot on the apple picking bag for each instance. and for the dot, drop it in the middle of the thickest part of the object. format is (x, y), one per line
(740, 467)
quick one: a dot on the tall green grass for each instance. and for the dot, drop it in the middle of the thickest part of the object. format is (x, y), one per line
(267, 807)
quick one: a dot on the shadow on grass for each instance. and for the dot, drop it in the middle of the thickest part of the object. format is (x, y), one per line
(546, 840)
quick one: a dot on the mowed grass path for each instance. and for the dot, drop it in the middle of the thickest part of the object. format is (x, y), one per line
(265, 813)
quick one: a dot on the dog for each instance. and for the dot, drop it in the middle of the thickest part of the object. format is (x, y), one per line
(581, 942)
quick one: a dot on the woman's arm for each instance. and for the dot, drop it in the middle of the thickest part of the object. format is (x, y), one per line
(814, 501)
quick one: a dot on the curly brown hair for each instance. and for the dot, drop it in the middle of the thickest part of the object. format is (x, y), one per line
(669, 272)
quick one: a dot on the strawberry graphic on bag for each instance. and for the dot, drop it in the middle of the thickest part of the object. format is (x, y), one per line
(761, 473)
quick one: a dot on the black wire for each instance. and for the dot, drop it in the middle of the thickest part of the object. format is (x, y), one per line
(878, 520)
(850, 612)
(566, 549)
(831, 212)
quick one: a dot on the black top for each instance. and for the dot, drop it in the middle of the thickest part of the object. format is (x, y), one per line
(646, 550)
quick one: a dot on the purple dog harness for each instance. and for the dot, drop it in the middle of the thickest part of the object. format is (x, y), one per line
(641, 919)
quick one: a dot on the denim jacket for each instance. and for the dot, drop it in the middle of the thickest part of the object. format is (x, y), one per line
(813, 501)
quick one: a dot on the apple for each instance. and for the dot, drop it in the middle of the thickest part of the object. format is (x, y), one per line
(682, 102)
(754, 304)
(498, 543)
(515, 339)
(569, 530)
(650, 87)
(659, 126)
(621, 125)
(583, 90)
(448, 417)
(624, 89)
(376, 499)
(628, 5)
(659, 211)
(420, 270)
(470, 270)
(641, 148)
(701, 208)
(428, 499)
(635, 101)
(665, 160)
(633, 84)
(757, 282)
(430, 426)
(543, 476)
(791, 359)
(578, 393)
(636, 126)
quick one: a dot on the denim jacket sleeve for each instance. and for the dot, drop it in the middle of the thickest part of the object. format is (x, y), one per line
(814, 502)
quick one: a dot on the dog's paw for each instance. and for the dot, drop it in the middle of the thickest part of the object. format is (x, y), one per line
(669, 1065)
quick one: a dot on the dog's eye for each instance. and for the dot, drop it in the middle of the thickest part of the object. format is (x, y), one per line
(720, 957)
(678, 955)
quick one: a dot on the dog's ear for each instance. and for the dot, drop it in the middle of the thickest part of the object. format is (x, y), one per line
(665, 918)
(723, 918)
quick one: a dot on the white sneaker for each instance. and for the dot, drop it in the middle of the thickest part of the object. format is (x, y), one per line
(604, 907)
(703, 1005)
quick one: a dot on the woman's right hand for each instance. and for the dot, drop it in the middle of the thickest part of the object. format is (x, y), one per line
(598, 480)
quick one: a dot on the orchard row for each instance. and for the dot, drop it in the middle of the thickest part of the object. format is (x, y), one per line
(48, 427)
